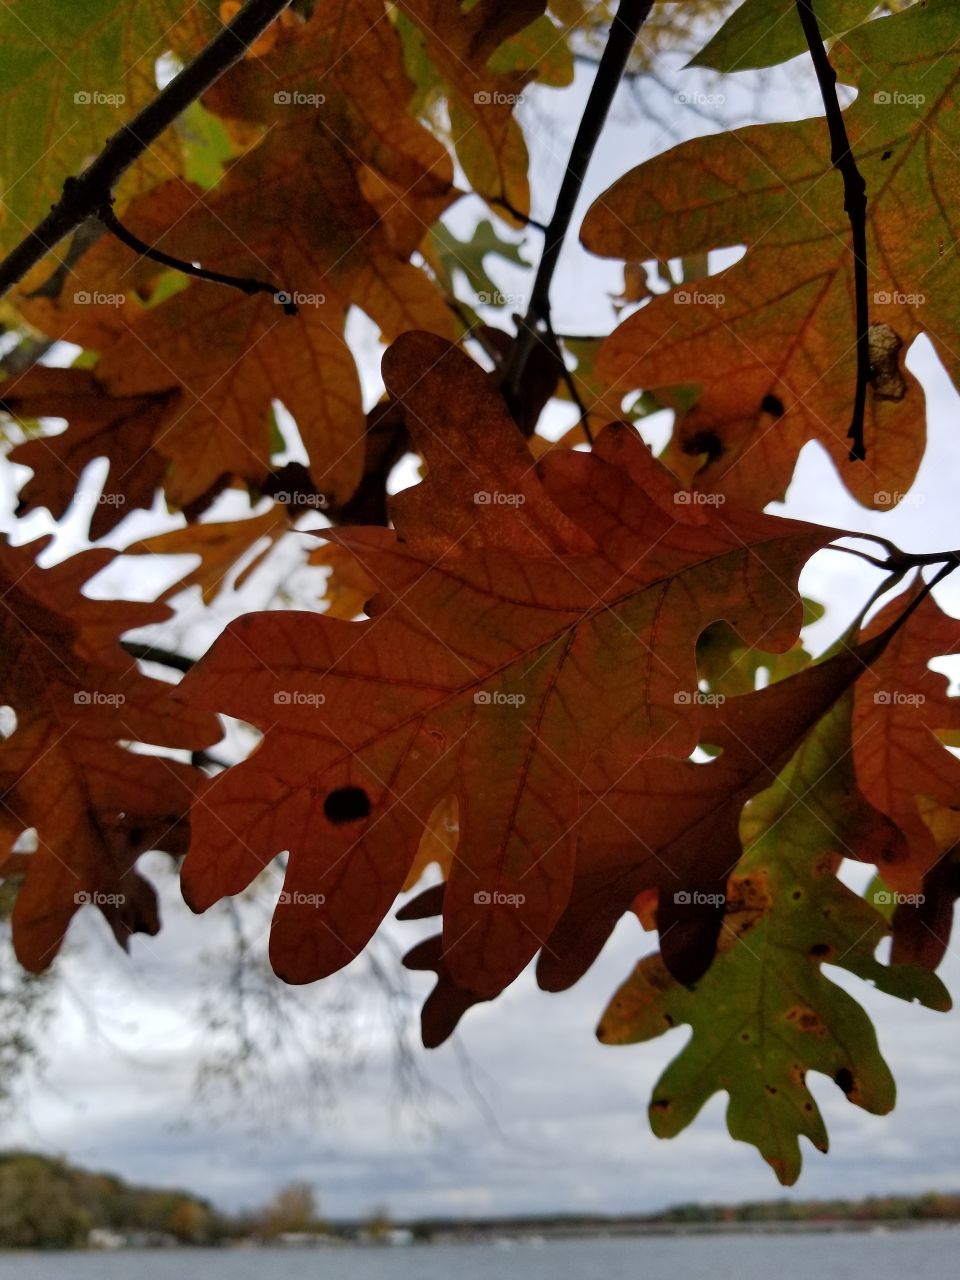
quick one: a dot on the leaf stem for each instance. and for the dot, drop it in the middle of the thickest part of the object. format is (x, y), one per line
(855, 206)
(88, 192)
(246, 284)
(623, 34)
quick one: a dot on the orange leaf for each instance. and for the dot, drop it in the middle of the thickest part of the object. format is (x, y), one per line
(903, 768)
(95, 804)
(219, 544)
(524, 626)
(290, 212)
(123, 429)
(769, 341)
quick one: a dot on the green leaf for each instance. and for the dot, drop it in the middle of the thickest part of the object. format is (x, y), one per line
(760, 33)
(207, 149)
(541, 47)
(72, 74)
(765, 1013)
(451, 255)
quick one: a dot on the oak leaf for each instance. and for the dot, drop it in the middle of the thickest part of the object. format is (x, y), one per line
(291, 212)
(67, 769)
(765, 1014)
(769, 341)
(123, 429)
(903, 767)
(525, 622)
(220, 545)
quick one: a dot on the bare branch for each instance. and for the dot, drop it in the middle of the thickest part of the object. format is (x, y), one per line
(855, 206)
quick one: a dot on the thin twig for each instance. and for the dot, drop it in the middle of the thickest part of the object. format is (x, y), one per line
(900, 561)
(92, 189)
(246, 284)
(623, 34)
(150, 653)
(855, 206)
(503, 203)
(570, 383)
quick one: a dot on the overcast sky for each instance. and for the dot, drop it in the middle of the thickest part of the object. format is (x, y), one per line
(545, 1119)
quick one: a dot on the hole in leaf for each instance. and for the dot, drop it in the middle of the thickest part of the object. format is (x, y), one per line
(346, 804)
(844, 1080)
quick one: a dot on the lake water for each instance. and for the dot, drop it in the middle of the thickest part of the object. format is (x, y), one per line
(880, 1256)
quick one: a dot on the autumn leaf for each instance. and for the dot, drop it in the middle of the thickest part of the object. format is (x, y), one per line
(220, 544)
(461, 45)
(120, 428)
(766, 1014)
(348, 588)
(903, 767)
(522, 625)
(67, 769)
(291, 212)
(674, 825)
(769, 341)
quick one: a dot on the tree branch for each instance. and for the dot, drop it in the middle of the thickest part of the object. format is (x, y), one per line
(91, 190)
(623, 34)
(855, 206)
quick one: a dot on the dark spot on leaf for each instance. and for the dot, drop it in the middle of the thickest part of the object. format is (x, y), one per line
(771, 1088)
(707, 442)
(668, 1020)
(821, 949)
(886, 155)
(773, 405)
(136, 835)
(797, 895)
(346, 804)
(660, 1104)
(844, 1080)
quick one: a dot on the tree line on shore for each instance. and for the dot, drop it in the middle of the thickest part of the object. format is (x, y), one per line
(47, 1203)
